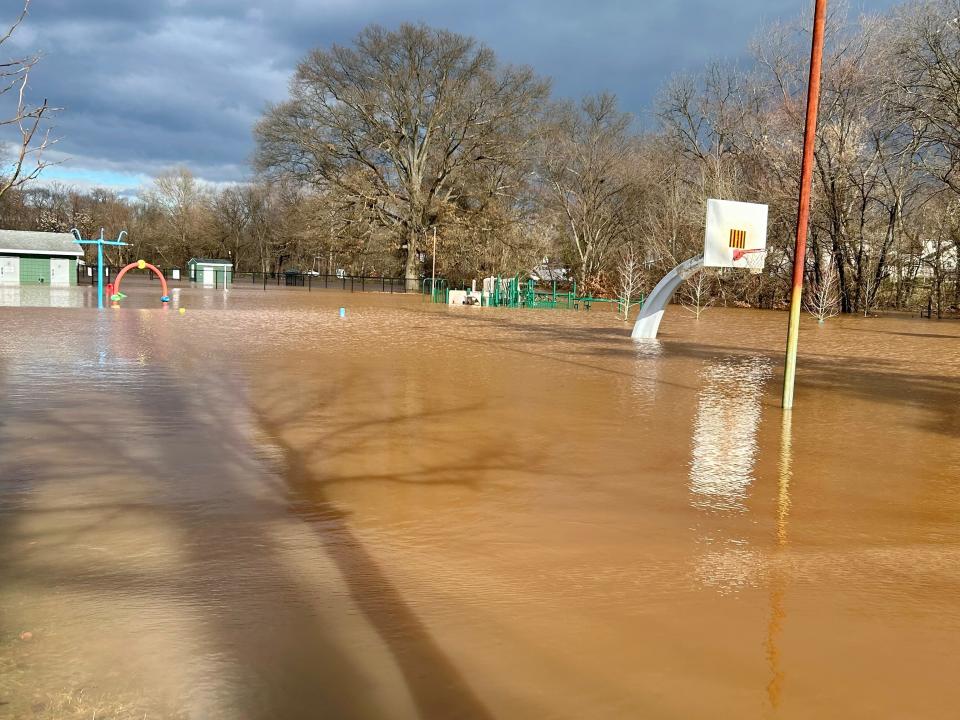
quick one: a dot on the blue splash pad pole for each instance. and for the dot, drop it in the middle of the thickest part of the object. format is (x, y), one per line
(99, 242)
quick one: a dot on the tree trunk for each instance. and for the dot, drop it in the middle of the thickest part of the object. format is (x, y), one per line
(846, 305)
(411, 267)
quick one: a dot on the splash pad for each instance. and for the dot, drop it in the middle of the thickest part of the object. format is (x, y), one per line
(114, 289)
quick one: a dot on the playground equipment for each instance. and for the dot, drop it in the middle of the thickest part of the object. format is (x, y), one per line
(735, 237)
(468, 297)
(515, 292)
(510, 292)
(100, 242)
(437, 288)
(117, 296)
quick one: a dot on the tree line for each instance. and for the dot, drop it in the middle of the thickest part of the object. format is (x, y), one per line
(418, 132)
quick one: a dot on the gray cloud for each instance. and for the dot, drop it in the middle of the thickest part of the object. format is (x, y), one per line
(146, 85)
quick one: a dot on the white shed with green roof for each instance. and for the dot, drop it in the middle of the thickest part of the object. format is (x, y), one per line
(210, 272)
(38, 258)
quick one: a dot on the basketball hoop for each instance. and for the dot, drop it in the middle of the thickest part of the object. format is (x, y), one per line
(753, 259)
(735, 235)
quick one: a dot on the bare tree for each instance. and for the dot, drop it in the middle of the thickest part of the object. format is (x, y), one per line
(185, 208)
(704, 118)
(231, 216)
(823, 296)
(585, 163)
(631, 277)
(26, 122)
(696, 294)
(925, 41)
(397, 119)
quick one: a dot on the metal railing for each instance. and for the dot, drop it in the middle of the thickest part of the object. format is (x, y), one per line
(87, 275)
(317, 281)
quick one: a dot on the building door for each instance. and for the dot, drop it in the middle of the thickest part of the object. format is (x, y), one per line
(207, 276)
(9, 270)
(59, 271)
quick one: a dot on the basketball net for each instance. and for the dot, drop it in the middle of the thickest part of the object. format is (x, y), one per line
(753, 259)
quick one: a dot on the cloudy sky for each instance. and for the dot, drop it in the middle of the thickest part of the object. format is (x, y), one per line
(149, 84)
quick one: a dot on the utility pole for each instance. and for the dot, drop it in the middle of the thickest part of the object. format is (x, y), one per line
(433, 272)
(803, 210)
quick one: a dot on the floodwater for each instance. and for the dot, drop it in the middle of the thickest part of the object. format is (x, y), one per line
(258, 509)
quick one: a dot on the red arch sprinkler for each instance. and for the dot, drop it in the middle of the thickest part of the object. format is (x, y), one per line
(116, 296)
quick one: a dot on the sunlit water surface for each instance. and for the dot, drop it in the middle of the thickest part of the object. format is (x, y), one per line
(258, 509)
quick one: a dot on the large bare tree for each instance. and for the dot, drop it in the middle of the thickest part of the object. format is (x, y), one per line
(586, 166)
(396, 119)
(185, 208)
(25, 122)
(925, 40)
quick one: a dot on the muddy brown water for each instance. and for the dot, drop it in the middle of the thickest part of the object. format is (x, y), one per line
(260, 510)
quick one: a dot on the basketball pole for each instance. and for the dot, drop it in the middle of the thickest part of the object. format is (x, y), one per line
(803, 210)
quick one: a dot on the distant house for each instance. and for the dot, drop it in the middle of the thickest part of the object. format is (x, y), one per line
(38, 258)
(210, 272)
(545, 272)
(934, 254)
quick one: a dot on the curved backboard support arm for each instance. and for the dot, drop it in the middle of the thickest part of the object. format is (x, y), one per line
(648, 321)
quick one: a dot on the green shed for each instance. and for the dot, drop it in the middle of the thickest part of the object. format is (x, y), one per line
(210, 272)
(38, 258)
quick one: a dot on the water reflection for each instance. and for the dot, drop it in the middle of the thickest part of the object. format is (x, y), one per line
(778, 580)
(725, 432)
(721, 469)
(731, 567)
(42, 296)
(642, 393)
(457, 523)
(646, 378)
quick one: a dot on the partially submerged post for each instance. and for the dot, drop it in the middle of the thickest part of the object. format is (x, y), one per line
(803, 210)
(433, 271)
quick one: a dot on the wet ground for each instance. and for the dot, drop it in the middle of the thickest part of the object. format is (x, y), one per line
(258, 509)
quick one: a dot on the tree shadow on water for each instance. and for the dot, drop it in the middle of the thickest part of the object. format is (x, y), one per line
(198, 482)
(437, 687)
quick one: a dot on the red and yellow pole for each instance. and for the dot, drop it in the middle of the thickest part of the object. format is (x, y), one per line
(803, 211)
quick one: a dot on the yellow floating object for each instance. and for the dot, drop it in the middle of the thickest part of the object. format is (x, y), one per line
(182, 310)
(141, 264)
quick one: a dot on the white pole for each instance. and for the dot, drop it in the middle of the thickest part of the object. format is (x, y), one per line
(433, 272)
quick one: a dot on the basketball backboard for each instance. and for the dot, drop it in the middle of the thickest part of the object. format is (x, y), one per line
(736, 235)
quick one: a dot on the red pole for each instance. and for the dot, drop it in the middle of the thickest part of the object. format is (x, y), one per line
(803, 211)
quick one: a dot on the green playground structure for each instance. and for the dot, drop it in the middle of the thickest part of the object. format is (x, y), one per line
(437, 289)
(515, 292)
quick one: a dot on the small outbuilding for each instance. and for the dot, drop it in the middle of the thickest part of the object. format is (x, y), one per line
(38, 258)
(210, 272)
